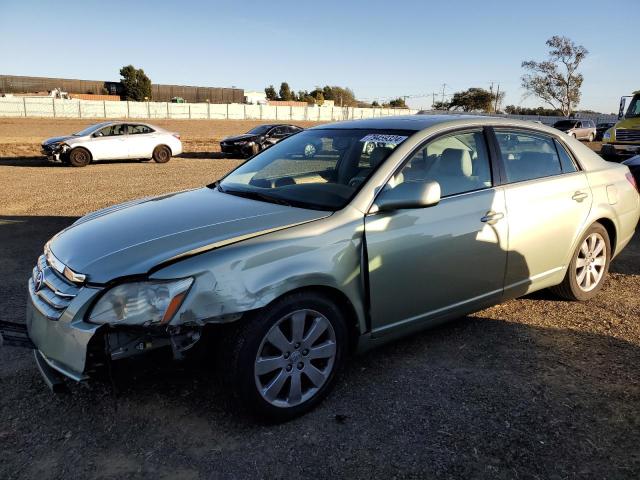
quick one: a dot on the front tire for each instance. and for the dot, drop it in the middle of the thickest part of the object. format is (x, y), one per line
(589, 266)
(590, 139)
(282, 360)
(79, 157)
(161, 154)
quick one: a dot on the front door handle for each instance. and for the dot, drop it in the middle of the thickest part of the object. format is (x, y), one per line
(579, 196)
(492, 217)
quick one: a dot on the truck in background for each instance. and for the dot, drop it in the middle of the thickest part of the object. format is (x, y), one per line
(623, 139)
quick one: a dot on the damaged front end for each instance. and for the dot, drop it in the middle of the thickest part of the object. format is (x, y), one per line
(56, 152)
(76, 329)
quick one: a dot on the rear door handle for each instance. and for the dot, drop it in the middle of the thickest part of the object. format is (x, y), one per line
(492, 217)
(579, 196)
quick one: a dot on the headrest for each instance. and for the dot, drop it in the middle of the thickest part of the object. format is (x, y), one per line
(379, 155)
(455, 162)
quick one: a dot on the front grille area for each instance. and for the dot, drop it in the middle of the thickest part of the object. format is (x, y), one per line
(54, 292)
(627, 135)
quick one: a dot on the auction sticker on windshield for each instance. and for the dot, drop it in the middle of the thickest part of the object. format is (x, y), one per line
(381, 138)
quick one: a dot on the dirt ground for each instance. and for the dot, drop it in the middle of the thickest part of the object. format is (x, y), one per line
(535, 388)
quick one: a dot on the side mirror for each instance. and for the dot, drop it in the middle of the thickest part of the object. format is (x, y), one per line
(408, 195)
(97, 134)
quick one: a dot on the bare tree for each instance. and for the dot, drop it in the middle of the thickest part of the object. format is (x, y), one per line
(556, 80)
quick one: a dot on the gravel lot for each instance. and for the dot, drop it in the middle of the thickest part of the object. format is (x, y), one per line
(536, 388)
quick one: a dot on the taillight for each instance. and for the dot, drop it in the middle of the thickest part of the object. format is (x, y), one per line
(177, 135)
(632, 181)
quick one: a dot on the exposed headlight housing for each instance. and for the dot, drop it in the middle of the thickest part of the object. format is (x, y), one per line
(607, 135)
(141, 303)
(243, 142)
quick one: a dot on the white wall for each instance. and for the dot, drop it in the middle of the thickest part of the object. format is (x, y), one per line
(57, 108)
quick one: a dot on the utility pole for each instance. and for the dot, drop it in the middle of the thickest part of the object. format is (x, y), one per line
(495, 110)
(433, 99)
(444, 85)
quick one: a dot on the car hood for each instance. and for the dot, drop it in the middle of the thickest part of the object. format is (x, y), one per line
(51, 140)
(244, 136)
(132, 238)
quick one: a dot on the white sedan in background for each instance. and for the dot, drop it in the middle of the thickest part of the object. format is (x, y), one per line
(113, 141)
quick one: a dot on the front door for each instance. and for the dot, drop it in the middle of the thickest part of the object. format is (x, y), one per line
(548, 201)
(446, 260)
(110, 143)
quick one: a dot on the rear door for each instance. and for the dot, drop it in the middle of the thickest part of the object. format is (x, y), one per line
(548, 200)
(142, 140)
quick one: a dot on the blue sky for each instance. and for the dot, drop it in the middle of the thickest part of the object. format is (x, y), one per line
(379, 49)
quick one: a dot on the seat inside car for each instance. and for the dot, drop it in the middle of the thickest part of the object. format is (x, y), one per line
(455, 172)
(377, 156)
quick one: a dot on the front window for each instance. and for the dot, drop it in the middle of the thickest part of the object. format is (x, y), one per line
(458, 162)
(88, 130)
(634, 108)
(318, 169)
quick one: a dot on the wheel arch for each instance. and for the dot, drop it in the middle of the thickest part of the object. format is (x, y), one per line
(76, 147)
(610, 227)
(341, 300)
(162, 145)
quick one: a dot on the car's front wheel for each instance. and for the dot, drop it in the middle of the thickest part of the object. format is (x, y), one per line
(283, 359)
(589, 266)
(79, 157)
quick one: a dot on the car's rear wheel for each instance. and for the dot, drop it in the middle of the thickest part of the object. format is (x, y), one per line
(79, 157)
(161, 154)
(283, 359)
(591, 137)
(589, 266)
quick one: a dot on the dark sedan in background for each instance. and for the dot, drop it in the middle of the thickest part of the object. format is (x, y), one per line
(601, 128)
(634, 166)
(256, 139)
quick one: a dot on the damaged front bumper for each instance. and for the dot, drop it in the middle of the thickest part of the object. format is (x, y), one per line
(55, 153)
(70, 348)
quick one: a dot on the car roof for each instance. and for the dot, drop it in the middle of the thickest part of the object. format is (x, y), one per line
(128, 122)
(422, 122)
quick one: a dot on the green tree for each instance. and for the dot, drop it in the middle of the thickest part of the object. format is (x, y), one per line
(319, 96)
(375, 103)
(285, 92)
(398, 103)
(556, 80)
(270, 92)
(136, 85)
(472, 100)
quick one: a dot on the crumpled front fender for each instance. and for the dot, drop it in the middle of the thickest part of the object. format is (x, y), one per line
(249, 275)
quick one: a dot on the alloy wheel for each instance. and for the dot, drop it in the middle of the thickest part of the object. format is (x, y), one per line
(591, 262)
(295, 358)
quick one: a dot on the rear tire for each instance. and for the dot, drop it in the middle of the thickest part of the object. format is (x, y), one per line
(79, 157)
(161, 154)
(268, 361)
(590, 139)
(589, 266)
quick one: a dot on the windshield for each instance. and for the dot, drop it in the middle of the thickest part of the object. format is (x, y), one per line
(634, 108)
(562, 124)
(89, 130)
(319, 169)
(261, 130)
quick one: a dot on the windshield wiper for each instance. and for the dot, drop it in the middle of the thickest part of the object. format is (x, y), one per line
(256, 196)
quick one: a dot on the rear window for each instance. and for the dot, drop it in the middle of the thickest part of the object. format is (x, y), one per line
(527, 156)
